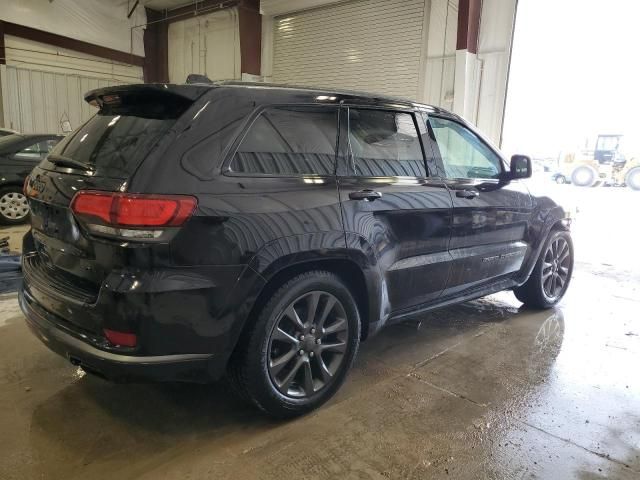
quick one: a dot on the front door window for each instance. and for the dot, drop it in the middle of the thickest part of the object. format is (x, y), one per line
(463, 154)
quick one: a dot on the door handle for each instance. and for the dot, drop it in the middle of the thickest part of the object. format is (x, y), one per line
(470, 194)
(368, 195)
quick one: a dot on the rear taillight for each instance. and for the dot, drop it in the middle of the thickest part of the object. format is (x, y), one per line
(131, 216)
(25, 185)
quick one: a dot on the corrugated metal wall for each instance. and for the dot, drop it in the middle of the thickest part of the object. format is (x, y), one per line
(372, 45)
(37, 102)
(44, 85)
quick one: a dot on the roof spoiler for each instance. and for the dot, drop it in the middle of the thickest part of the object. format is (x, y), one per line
(106, 95)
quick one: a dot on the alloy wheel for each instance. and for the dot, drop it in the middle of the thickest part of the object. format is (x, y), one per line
(555, 268)
(308, 345)
(14, 206)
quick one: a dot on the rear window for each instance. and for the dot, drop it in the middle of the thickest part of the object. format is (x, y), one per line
(290, 141)
(116, 140)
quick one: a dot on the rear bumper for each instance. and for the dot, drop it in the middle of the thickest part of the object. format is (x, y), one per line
(115, 366)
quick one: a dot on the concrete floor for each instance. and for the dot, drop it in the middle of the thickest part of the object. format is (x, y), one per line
(481, 390)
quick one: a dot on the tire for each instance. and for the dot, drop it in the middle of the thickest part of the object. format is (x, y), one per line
(324, 355)
(561, 180)
(632, 179)
(14, 208)
(584, 176)
(542, 289)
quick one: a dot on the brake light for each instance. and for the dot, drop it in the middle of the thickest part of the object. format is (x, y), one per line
(106, 212)
(25, 185)
(121, 339)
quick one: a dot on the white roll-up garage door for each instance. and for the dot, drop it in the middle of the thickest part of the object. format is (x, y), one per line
(371, 45)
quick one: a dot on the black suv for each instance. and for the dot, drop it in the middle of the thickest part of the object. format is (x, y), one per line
(189, 231)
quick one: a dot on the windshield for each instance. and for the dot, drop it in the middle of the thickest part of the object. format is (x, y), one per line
(116, 140)
(608, 143)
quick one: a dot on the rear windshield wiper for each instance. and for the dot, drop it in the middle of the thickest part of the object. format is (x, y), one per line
(63, 161)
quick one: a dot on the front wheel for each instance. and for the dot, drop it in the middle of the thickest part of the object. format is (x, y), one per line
(551, 276)
(298, 352)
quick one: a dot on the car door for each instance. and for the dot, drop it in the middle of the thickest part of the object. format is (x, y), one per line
(490, 215)
(390, 203)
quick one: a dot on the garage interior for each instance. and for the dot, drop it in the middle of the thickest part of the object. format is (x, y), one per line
(486, 389)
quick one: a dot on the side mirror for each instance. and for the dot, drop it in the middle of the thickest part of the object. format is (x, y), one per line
(520, 167)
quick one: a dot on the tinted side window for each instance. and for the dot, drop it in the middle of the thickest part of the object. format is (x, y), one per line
(385, 144)
(289, 141)
(463, 154)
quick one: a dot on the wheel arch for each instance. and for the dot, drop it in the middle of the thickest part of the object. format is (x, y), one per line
(346, 267)
(555, 219)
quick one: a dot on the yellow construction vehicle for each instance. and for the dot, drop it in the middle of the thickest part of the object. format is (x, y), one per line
(603, 165)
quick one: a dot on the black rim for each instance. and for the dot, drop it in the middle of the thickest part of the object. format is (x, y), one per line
(308, 345)
(555, 268)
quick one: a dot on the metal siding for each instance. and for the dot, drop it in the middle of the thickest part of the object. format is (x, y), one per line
(38, 102)
(44, 85)
(371, 45)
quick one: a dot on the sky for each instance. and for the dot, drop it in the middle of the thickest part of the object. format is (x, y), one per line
(575, 72)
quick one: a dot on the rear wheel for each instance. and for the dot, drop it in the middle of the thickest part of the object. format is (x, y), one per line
(298, 352)
(14, 208)
(584, 176)
(551, 276)
(632, 179)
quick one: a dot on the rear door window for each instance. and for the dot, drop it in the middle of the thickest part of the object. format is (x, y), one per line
(289, 141)
(385, 144)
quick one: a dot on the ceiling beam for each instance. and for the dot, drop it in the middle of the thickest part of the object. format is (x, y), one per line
(71, 44)
(198, 8)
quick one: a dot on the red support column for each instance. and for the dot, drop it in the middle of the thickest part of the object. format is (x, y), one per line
(468, 25)
(156, 48)
(250, 22)
(466, 88)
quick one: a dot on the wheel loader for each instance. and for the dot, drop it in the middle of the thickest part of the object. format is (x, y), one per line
(603, 165)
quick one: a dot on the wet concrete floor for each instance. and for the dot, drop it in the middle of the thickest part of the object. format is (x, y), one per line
(481, 390)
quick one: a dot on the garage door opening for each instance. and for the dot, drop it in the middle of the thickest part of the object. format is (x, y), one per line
(572, 105)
